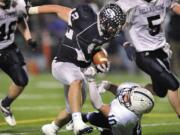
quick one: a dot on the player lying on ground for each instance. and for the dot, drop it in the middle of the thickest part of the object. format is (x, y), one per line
(124, 113)
(86, 33)
(13, 15)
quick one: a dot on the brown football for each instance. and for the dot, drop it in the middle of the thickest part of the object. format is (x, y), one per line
(100, 57)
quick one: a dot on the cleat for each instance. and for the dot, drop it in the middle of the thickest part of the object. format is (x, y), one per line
(49, 129)
(8, 116)
(81, 128)
(69, 126)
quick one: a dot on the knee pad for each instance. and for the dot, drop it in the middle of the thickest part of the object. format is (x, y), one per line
(164, 82)
(170, 81)
(22, 81)
(20, 77)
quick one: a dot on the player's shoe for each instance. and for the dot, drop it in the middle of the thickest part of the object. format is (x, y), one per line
(81, 128)
(69, 125)
(8, 116)
(50, 129)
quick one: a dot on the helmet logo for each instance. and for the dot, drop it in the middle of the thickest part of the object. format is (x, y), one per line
(110, 13)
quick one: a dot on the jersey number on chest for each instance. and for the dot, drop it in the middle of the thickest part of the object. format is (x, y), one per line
(154, 23)
(6, 30)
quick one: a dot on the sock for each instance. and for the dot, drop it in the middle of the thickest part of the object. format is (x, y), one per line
(6, 102)
(55, 126)
(76, 117)
(98, 119)
(179, 116)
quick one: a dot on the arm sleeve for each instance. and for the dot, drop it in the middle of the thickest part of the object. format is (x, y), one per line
(95, 97)
(21, 8)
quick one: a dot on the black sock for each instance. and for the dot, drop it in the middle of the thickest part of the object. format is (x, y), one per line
(179, 116)
(7, 101)
(98, 119)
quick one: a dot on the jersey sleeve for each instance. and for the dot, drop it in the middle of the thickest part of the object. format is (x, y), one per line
(170, 3)
(81, 15)
(21, 8)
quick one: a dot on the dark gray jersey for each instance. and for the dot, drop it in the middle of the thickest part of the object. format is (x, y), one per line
(82, 37)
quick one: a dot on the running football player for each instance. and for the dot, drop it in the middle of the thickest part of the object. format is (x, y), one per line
(12, 15)
(145, 30)
(86, 33)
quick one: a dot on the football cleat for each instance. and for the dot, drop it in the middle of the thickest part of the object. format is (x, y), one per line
(82, 128)
(69, 125)
(49, 129)
(8, 116)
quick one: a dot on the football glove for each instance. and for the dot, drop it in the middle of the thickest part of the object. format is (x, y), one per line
(90, 73)
(32, 44)
(102, 68)
(130, 51)
(103, 86)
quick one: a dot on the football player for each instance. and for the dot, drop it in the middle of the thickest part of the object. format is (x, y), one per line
(123, 114)
(144, 26)
(12, 15)
(86, 33)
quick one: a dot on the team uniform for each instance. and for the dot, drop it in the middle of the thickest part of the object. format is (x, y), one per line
(82, 39)
(145, 29)
(11, 59)
(121, 120)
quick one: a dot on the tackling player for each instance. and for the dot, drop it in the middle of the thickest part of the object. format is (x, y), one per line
(86, 33)
(12, 15)
(145, 20)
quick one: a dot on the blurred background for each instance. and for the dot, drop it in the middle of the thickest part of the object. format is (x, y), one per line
(48, 31)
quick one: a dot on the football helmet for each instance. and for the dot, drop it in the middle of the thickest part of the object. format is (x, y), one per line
(111, 19)
(141, 100)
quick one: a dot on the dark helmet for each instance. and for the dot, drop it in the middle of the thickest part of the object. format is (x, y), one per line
(111, 19)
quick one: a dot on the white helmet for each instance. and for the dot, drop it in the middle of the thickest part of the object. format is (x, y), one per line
(142, 100)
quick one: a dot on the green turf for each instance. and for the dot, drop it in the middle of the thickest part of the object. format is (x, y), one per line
(43, 99)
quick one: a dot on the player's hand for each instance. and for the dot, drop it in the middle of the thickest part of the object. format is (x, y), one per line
(130, 51)
(90, 73)
(103, 86)
(32, 44)
(102, 68)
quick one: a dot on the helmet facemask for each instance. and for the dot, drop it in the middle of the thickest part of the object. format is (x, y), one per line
(111, 19)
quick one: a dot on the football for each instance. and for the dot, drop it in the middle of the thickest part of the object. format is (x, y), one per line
(100, 57)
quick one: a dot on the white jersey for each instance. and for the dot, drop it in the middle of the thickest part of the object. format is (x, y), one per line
(8, 22)
(124, 119)
(145, 22)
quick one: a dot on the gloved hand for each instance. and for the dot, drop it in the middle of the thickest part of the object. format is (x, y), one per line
(90, 73)
(130, 51)
(32, 44)
(102, 68)
(103, 86)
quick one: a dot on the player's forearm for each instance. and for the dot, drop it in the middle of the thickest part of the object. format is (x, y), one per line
(95, 97)
(24, 29)
(61, 11)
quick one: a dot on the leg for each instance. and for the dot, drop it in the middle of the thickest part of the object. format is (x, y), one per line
(59, 122)
(162, 79)
(73, 93)
(174, 100)
(14, 66)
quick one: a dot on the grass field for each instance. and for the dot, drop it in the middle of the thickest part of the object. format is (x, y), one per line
(43, 99)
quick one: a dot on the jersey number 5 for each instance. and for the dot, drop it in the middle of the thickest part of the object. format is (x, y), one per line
(154, 24)
(7, 30)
